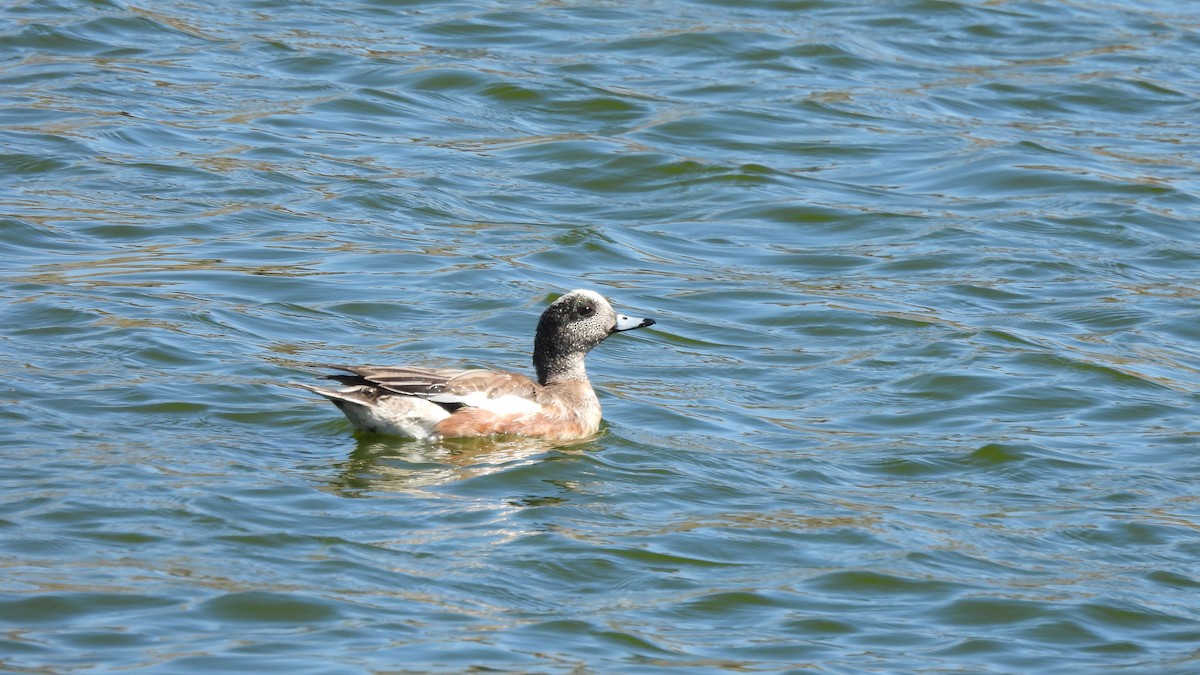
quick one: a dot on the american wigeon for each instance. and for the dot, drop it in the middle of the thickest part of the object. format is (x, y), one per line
(436, 403)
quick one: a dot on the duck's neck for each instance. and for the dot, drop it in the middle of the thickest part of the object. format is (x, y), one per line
(554, 366)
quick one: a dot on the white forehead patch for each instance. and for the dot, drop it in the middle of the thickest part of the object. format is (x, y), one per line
(589, 294)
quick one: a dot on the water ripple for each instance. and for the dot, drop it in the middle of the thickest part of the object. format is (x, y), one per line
(919, 399)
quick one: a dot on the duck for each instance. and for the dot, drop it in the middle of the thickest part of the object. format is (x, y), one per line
(432, 404)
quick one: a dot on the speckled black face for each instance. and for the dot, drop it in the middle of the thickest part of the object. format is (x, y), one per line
(577, 321)
(585, 309)
(568, 329)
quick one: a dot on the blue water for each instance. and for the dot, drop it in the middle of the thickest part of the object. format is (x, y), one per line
(921, 396)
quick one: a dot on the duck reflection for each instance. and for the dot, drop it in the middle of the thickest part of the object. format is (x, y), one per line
(388, 464)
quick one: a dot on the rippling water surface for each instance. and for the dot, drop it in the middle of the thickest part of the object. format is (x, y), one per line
(921, 398)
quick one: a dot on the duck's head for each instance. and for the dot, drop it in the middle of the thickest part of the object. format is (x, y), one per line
(568, 330)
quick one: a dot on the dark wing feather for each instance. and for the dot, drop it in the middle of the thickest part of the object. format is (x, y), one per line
(450, 388)
(411, 381)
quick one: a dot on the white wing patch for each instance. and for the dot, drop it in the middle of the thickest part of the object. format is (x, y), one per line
(508, 404)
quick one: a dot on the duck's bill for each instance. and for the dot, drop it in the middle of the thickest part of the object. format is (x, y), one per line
(629, 323)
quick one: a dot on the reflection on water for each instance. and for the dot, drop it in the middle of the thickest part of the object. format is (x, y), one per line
(385, 464)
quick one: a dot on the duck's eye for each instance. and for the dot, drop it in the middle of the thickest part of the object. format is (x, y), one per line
(587, 310)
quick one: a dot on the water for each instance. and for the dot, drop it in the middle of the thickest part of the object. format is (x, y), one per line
(921, 397)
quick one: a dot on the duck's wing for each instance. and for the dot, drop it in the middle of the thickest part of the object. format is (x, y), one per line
(411, 381)
(451, 388)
